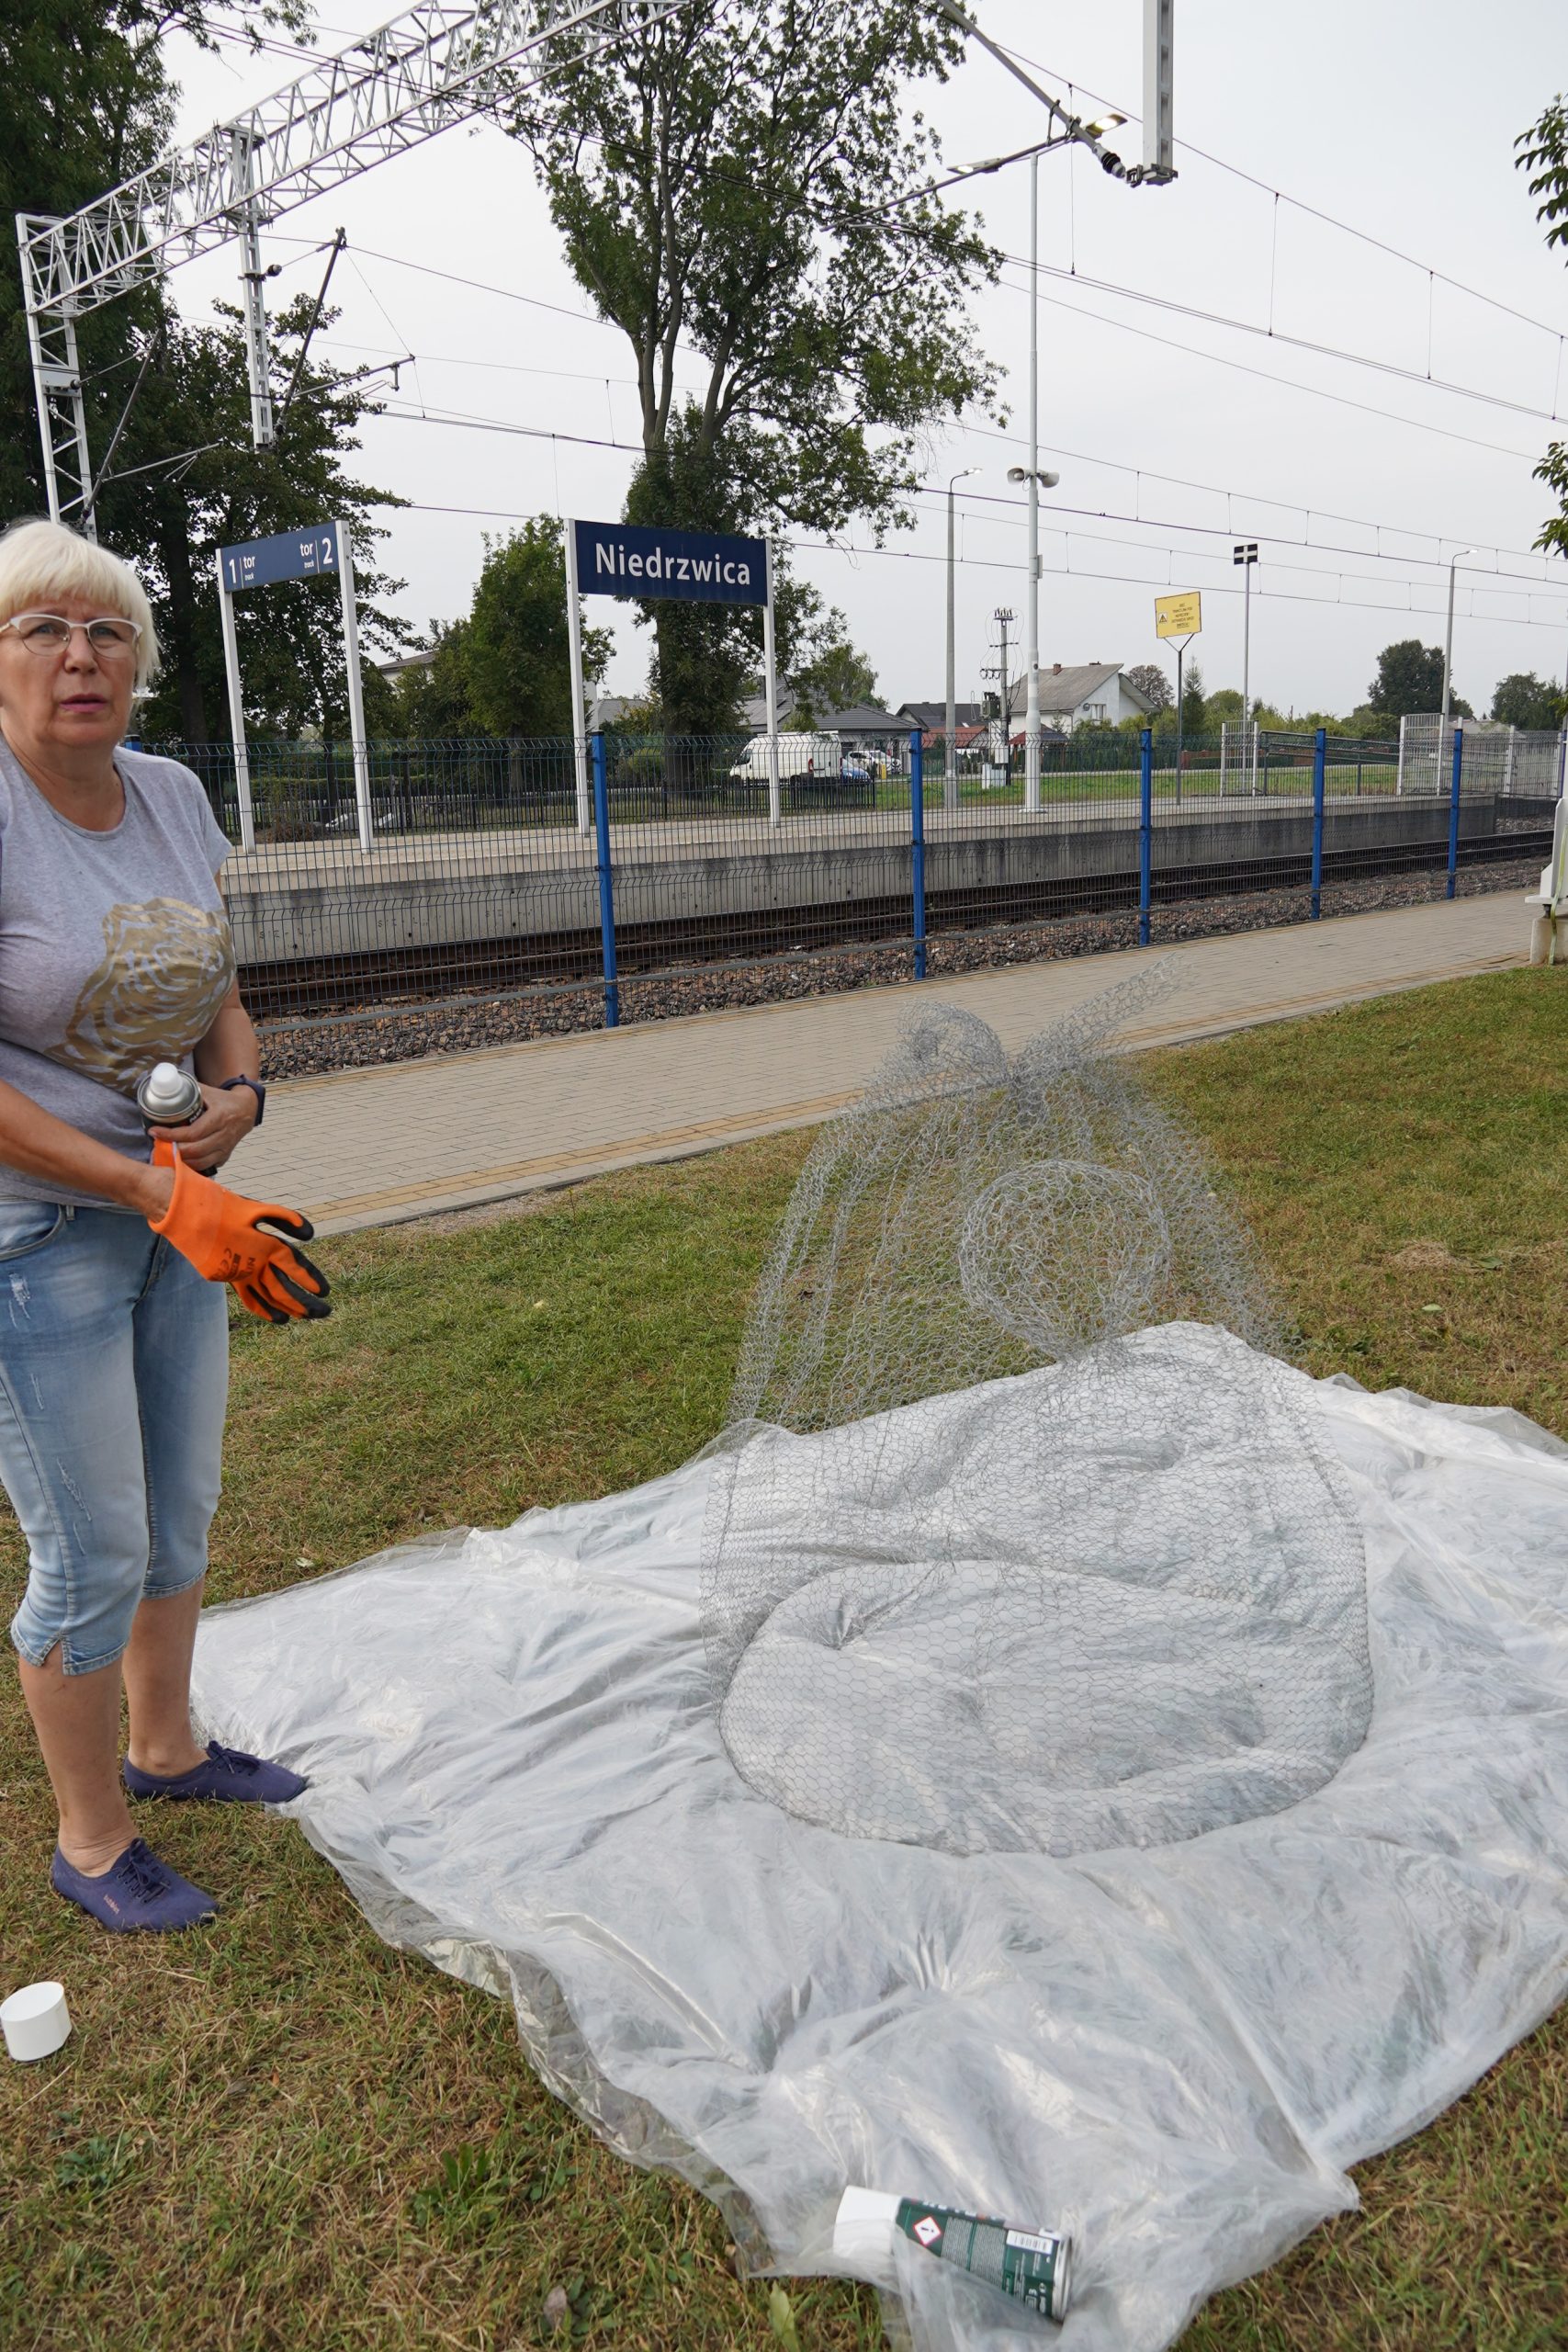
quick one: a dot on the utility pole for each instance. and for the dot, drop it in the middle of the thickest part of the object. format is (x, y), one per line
(1246, 553)
(949, 774)
(1000, 671)
(1037, 482)
(1448, 635)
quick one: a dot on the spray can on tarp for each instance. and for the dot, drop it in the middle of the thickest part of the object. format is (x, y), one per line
(169, 1097)
(1034, 2267)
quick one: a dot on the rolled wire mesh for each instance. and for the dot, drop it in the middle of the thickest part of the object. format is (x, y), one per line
(1018, 1538)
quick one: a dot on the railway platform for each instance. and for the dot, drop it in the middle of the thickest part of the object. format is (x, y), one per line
(374, 1146)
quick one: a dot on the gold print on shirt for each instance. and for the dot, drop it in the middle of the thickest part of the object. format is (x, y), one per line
(167, 968)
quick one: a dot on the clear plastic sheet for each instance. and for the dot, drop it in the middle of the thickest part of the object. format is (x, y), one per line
(1172, 2051)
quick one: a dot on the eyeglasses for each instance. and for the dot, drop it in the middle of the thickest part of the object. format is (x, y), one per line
(111, 637)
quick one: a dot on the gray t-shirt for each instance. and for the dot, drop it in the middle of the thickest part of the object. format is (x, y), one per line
(114, 951)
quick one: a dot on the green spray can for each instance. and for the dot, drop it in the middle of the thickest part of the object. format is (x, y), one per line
(1034, 2267)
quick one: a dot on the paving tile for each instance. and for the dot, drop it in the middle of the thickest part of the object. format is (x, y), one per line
(371, 1147)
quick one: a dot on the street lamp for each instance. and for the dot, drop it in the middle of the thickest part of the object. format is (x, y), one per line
(1448, 635)
(1038, 481)
(950, 781)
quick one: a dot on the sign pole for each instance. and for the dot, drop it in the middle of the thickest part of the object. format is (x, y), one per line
(236, 708)
(771, 690)
(358, 744)
(574, 644)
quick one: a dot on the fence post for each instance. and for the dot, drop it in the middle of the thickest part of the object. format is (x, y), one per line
(1453, 809)
(1145, 829)
(606, 884)
(917, 845)
(1319, 761)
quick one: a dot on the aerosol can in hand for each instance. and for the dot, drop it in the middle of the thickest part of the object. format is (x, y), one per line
(169, 1097)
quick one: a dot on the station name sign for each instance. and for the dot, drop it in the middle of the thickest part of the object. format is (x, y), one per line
(705, 568)
(307, 554)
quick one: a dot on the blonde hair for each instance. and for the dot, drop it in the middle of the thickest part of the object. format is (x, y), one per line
(45, 561)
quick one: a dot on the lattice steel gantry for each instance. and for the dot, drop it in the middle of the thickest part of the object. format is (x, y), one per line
(426, 70)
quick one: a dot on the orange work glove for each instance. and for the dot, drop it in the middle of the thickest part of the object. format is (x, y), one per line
(220, 1233)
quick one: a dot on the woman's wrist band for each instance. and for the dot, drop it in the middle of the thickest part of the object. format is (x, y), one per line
(257, 1089)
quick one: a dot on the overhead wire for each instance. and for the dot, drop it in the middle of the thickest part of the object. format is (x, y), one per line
(1155, 548)
(1298, 204)
(1260, 591)
(1343, 355)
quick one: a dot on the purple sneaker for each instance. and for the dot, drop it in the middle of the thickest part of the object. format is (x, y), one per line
(138, 1893)
(228, 1777)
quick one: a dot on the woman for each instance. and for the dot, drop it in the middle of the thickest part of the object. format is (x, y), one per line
(115, 954)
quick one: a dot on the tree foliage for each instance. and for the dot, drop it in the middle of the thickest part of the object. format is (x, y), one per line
(1148, 679)
(515, 652)
(737, 190)
(839, 677)
(1543, 153)
(1192, 701)
(505, 668)
(1522, 699)
(1410, 678)
(195, 397)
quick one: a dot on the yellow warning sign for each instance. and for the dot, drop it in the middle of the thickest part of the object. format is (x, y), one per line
(1179, 615)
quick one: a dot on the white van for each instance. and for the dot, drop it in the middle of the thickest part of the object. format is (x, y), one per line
(799, 755)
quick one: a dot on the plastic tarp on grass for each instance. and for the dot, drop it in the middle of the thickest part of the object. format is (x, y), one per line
(1172, 2050)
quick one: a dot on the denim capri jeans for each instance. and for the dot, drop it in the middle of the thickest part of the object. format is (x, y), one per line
(114, 1377)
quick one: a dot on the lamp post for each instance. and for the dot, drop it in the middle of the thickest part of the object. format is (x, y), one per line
(1454, 561)
(950, 776)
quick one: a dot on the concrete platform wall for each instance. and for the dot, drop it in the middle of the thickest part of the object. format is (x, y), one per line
(290, 921)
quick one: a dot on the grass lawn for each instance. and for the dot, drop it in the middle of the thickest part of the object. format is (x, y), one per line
(277, 2136)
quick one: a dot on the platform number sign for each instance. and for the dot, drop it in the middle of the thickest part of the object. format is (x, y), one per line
(307, 554)
(312, 551)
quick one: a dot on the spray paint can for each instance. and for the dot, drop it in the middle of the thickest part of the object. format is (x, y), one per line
(169, 1097)
(1034, 2267)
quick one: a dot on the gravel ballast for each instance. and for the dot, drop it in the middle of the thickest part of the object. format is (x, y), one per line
(457, 1025)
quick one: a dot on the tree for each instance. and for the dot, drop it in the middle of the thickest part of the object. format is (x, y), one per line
(1524, 700)
(195, 398)
(1543, 153)
(429, 700)
(1193, 704)
(737, 190)
(505, 669)
(1149, 680)
(827, 672)
(1410, 678)
(515, 651)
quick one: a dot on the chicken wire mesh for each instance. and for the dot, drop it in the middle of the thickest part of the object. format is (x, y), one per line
(1016, 1541)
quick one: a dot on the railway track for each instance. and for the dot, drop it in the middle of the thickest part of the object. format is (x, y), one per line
(406, 979)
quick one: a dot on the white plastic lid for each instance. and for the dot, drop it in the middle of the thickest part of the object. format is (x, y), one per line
(166, 1082)
(35, 2020)
(862, 2227)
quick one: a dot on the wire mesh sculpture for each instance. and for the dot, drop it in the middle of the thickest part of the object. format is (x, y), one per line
(1017, 1539)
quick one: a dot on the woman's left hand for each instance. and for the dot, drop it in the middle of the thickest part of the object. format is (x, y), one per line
(209, 1141)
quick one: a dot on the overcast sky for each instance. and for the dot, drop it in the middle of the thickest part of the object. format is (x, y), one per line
(1173, 435)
